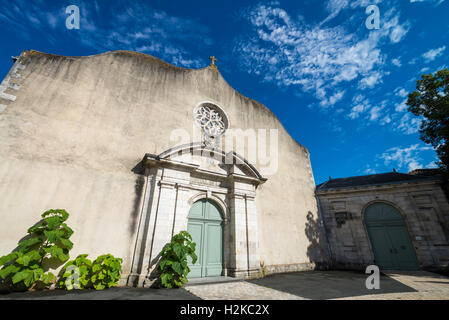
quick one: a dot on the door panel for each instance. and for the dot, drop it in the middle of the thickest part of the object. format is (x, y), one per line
(403, 248)
(214, 250)
(196, 231)
(381, 246)
(205, 226)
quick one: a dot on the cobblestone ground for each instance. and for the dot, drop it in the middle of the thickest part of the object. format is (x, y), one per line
(429, 286)
(241, 290)
(425, 286)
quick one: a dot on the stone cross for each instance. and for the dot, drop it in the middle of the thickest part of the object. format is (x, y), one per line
(213, 66)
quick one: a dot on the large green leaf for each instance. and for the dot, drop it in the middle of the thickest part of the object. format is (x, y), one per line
(6, 271)
(56, 212)
(66, 243)
(177, 248)
(67, 231)
(54, 235)
(25, 244)
(57, 252)
(38, 228)
(48, 278)
(177, 267)
(8, 258)
(53, 222)
(29, 258)
(28, 276)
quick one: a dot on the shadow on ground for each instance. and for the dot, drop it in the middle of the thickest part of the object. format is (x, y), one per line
(109, 294)
(321, 285)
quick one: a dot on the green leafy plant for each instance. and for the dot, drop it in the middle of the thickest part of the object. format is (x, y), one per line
(76, 273)
(47, 241)
(106, 271)
(173, 263)
(82, 273)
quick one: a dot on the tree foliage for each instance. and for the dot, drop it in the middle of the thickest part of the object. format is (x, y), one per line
(47, 241)
(431, 101)
(173, 263)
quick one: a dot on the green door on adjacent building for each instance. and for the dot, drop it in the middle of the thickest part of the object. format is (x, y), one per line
(393, 249)
(206, 227)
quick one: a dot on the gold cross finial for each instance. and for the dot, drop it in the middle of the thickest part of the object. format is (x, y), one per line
(213, 66)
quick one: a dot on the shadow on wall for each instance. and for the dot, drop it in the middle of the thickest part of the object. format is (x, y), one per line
(316, 251)
(155, 276)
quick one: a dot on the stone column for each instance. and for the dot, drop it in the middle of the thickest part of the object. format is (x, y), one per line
(182, 209)
(238, 264)
(244, 260)
(252, 236)
(148, 232)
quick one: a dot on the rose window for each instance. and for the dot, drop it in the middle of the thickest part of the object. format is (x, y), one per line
(211, 119)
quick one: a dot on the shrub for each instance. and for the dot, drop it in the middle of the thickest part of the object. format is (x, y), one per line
(82, 273)
(106, 271)
(76, 273)
(47, 241)
(173, 263)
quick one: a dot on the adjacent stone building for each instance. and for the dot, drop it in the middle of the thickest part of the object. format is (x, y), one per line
(394, 220)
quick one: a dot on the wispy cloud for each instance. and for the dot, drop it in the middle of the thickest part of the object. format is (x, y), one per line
(432, 54)
(408, 158)
(436, 2)
(137, 27)
(316, 58)
(408, 124)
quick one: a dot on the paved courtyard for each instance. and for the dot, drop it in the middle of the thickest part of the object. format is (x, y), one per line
(316, 285)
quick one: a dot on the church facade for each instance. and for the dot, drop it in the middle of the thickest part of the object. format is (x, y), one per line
(136, 150)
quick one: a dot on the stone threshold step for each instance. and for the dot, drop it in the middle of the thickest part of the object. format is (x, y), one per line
(211, 280)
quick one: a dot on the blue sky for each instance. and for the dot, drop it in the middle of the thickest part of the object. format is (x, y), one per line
(338, 87)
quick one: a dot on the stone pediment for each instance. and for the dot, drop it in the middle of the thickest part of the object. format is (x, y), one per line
(202, 160)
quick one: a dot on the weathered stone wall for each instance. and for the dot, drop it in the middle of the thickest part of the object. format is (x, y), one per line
(423, 205)
(77, 128)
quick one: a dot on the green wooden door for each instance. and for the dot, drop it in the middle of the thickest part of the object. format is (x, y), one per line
(393, 249)
(205, 226)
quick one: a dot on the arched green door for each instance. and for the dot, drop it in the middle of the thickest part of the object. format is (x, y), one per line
(206, 227)
(390, 240)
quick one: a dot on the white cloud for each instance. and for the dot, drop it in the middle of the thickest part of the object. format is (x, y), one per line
(137, 27)
(396, 62)
(371, 80)
(404, 157)
(401, 107)
(333, 99)
(409, 124)
(433, 54)
(317, 58)
(437, 2)
(369, 170)
(401, 92)
(399, 32)
(358, 109)
(385, 120)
